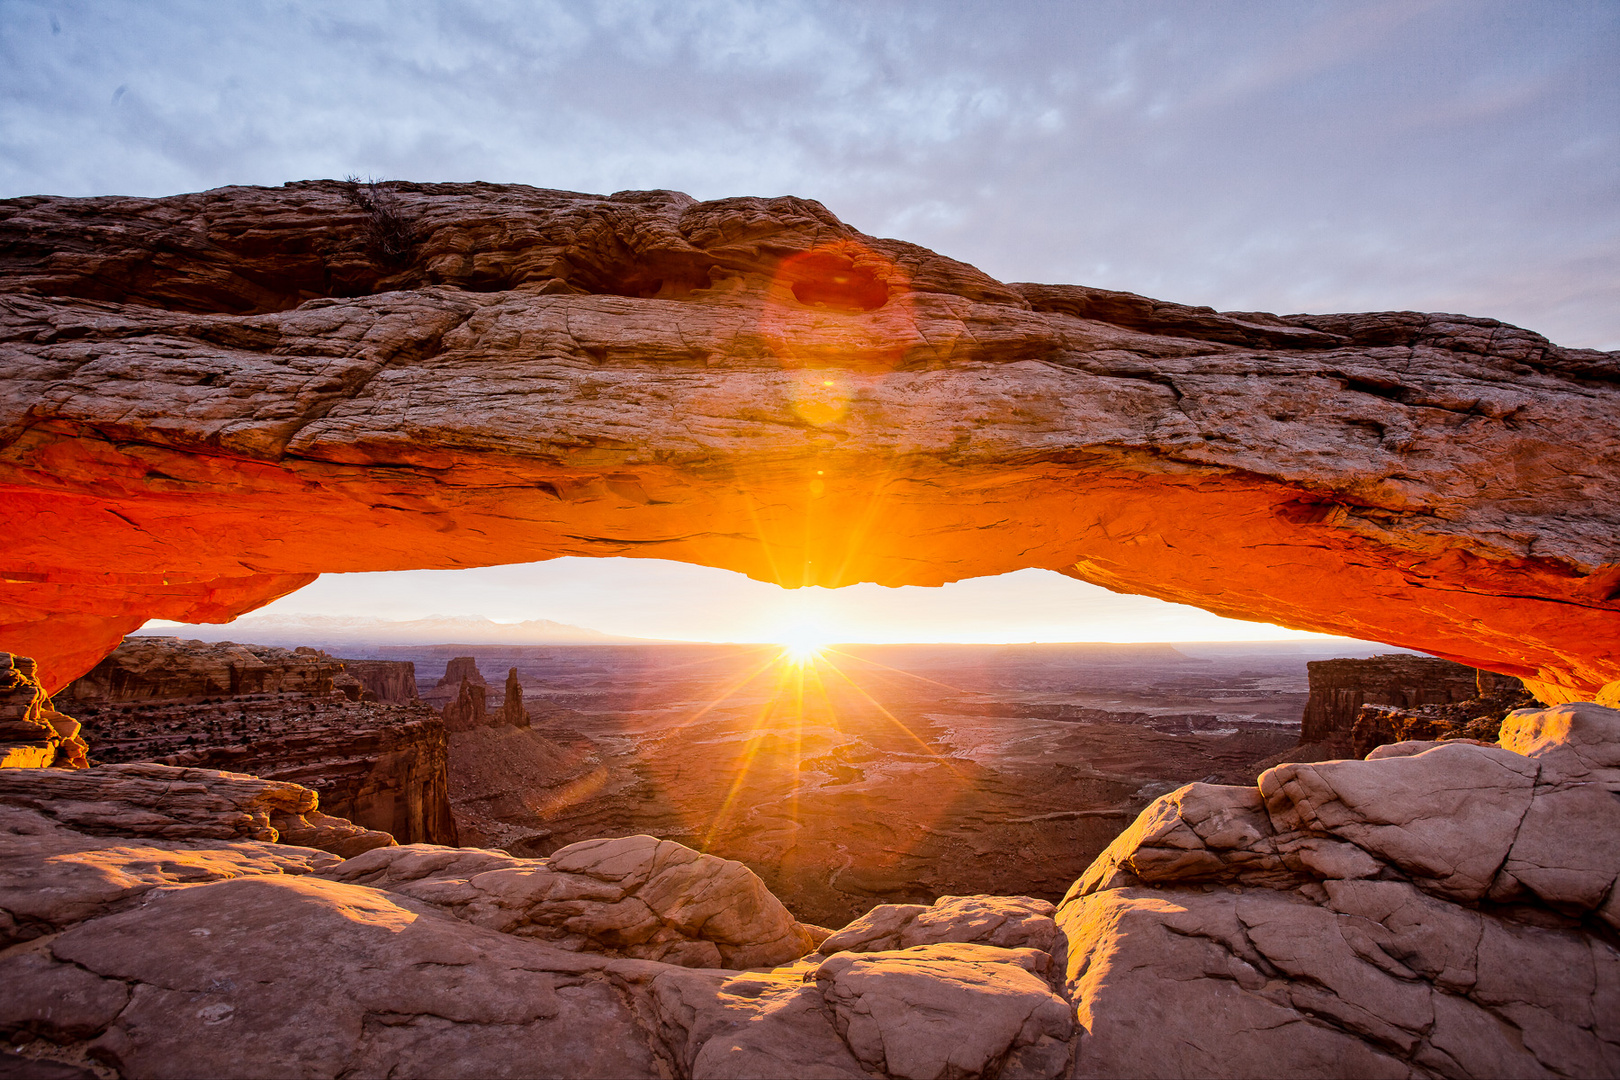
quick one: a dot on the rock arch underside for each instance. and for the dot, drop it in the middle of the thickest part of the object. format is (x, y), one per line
(209, 399)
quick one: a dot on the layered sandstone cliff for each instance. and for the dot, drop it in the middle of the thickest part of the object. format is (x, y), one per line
(32, 733)
(1339, 689)
(272, 713)
(1441, 911)
(461, 669)
(170, 669)
(1479, 718)
(393, 682)
(240, 377)
(163, 802)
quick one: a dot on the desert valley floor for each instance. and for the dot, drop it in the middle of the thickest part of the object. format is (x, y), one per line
(874, 774)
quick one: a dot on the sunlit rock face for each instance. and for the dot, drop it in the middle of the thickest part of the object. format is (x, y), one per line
(1440, 909)
(169, 669)
(208, 399)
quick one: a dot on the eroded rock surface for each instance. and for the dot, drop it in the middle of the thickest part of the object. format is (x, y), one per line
(635, 896)
(392, 681)
(1296, 929)
(238, 375)
(1010, 922)
(383, 767)
(273, 713)
(32, 733)
(1340, 688)
(168, 803)
(1442, 909)
(171, 669)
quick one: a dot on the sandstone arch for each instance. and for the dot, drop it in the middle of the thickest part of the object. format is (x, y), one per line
(209, 399)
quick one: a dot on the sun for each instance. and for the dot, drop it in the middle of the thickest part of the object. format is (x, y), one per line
(803, 652)
(802, 645)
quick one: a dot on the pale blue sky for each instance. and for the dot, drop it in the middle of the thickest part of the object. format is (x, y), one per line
(1449, 155)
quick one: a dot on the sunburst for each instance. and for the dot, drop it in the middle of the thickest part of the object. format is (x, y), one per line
(803, 653)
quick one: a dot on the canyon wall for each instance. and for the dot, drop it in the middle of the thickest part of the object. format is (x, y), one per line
(272, 713)
(393, 681)
(461, 669)
(375, 767)
(169, 669)
(1339, 688)
(1358, 705)
(209, 399)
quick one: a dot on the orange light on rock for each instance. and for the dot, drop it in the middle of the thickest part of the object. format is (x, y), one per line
(818, 400)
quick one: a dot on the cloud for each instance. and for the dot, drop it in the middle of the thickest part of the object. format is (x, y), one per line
(1284, 156)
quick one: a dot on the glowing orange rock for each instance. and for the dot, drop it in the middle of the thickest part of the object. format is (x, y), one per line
(208, 399)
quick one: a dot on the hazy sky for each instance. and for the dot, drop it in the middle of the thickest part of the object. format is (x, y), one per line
(1297, 156)
(653, 598)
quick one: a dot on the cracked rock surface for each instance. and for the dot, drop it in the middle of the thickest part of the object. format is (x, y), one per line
(636, 896)
(1296, 929)
(165, 802)
(1445, 909)
(208, 399)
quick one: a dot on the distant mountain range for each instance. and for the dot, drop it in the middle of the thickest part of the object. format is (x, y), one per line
(328, 631)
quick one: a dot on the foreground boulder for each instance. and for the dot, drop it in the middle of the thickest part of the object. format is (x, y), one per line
(1443, 909)
(238, 380)
(167, 803)
(636, 896)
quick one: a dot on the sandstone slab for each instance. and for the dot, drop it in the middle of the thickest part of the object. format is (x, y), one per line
(937, 1011)
(169, 803)
(731, 1027)
(221, 983)
(1447, 816)
(1442, 909)
(634, 896)
(56, 877)
(1008, 922)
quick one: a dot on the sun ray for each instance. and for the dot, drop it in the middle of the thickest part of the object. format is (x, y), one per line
(725, 693)
(895, 720)
(750, 752)
(897, 671)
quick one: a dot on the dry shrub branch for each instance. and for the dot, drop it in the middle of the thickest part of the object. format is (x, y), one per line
(390, 229)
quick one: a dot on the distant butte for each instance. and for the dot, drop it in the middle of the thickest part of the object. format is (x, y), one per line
(207, 400)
